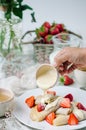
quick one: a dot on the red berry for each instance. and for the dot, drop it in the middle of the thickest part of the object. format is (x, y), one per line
(40, 107)
(60, 27)
(66, 80)
(54, 30)
(65, 103)
(72, 120)
(51, 92)
(30, 101)
(49, 118)
(48, 39)
(70, 96)
(43, 31)
(47, 24)
(80, 106)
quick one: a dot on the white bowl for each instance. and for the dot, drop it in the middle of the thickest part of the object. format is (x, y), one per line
(80, 76)
(6, 101)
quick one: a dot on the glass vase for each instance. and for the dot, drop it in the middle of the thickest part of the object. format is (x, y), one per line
(10, 35)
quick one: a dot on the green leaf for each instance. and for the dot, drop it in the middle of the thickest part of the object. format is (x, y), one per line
(37, 33)
(20, 1)
(8, 15)
(24, 7)
(33, 17)
(18, 12)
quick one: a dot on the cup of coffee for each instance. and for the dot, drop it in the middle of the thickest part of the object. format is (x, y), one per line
(6, 101)
(80, 76)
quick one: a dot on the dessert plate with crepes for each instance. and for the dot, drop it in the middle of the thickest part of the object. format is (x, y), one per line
(53, 103)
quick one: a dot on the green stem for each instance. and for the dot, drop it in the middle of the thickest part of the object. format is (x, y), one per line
(9, 43)
(2, 38)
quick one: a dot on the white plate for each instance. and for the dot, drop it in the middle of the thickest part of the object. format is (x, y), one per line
(21, 111)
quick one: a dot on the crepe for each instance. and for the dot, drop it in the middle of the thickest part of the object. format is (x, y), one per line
(60, 120)
(40, 116)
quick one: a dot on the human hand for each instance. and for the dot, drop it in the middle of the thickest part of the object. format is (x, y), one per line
(69, 59)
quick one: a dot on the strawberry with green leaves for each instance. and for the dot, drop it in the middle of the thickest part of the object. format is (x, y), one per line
(42, 31)
(54, 30)
(48, 39)
(66, 80)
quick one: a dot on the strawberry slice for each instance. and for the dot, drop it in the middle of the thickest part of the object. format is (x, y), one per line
(66, 80)
(51, 92)
(50, 118)
(72, 120)
(70, 96)
(65, 103)
(30, 101)
(80, 106)
(40, 107)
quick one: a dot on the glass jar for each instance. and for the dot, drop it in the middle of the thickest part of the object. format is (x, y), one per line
(63, 40)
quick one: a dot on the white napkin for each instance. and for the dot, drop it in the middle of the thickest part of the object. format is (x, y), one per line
(21, 84)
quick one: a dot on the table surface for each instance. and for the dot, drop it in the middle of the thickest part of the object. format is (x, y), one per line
(11, 123)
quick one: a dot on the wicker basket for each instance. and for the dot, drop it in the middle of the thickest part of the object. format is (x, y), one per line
(42, 52)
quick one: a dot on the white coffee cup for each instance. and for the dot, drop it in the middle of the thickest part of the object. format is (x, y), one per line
(80, 76)
(6, 101)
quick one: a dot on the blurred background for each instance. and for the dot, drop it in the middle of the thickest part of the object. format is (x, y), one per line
(69, 12)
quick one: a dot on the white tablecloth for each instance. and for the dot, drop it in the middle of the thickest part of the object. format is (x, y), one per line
(26, 82)
(11, 123)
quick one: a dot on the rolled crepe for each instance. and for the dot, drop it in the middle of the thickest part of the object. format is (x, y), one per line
(80, 114)
(64, 111)
(40, 116)
(60, 120)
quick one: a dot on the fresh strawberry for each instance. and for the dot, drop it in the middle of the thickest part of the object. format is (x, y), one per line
(66, 80)
(51, 92)
(80, 106)
(65, 103)
(40, 107)
(70, 96)
(50, 118)
(72, 119)
(30, 101)
(43, 31)
(54, 30)
(60, 27)
(48, 39)
(47, 24)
